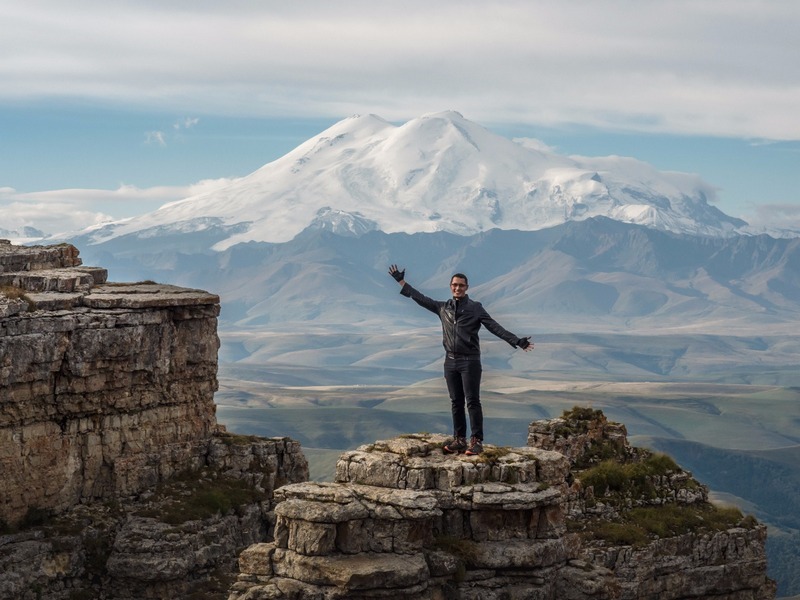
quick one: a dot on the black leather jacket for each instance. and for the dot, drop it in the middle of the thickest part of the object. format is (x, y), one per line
(461, 321)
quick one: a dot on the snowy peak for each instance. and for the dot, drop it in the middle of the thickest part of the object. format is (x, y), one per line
(22, 235)
(342, 223)
(438, 172)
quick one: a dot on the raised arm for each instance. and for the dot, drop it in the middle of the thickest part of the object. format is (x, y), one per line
(409, 292)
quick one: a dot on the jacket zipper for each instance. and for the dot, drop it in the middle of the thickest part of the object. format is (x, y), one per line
(455, 327)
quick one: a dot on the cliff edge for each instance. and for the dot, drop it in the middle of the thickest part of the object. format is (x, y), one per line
(577, 514)
(117, 481)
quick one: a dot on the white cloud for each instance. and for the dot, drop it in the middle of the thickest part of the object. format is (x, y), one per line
(534, 144)
(783, 215)
(716, 67)
(57, 212)
(185, 123)
(155, 137)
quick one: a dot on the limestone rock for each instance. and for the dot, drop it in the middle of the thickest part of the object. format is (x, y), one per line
(156, 546)
(116, 479)
(106, 389)
(715, 554)
(118, 482)
(404, 520)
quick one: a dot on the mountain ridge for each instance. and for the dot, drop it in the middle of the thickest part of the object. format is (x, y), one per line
(613, 273)
(438, 172)
(595, 274)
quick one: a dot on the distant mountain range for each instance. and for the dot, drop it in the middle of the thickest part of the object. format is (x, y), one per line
(550, 243)
(620, 272)
(604, 269)
(437, 173)
(22, 235)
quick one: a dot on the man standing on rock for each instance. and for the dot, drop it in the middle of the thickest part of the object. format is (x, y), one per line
(461, 319)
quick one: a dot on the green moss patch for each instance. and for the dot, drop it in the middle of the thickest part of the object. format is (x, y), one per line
(611, 478)
(639, 526)
(200, 495)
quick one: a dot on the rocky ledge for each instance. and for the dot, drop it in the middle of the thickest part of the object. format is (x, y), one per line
(107, 389)
(179, 539)
(117, 481)
(596, 520)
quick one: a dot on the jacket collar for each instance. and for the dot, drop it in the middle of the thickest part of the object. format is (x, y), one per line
(452, 302)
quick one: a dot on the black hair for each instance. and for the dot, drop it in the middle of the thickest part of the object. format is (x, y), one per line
(460, 276)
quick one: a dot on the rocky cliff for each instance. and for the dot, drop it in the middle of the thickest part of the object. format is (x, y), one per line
(117, 481)
(578, 514)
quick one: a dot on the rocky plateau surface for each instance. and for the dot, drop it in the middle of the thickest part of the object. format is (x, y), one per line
(577, 514)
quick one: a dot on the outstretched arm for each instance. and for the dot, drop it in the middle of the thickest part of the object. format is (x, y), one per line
(524, 343)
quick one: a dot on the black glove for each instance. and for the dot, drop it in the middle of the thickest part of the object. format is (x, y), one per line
(523, 342)
(397, 274)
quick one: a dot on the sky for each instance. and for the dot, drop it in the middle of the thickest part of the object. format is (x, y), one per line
(110, 108)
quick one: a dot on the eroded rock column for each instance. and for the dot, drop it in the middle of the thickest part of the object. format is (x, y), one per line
(405, 520)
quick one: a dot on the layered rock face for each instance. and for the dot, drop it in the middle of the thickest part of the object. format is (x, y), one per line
(117, 481)
(649, 522)
(403, 520)
(178, 540)
(106, 389)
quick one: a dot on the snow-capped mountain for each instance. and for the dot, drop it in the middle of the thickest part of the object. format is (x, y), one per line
(22, 234)
(299, 250)
(439, 172)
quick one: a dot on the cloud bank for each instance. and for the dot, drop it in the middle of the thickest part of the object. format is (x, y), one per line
(59, 212)
(714, 67)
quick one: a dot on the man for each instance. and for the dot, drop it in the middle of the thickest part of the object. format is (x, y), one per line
(461, 319)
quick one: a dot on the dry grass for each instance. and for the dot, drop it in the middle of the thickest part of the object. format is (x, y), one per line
(492, 454)
(13, 292)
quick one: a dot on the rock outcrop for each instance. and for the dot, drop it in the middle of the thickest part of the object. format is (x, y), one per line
(649, 522)
(403, 520)
(117, 481)
(107, 389)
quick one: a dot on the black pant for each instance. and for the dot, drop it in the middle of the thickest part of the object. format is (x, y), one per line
(463, 377)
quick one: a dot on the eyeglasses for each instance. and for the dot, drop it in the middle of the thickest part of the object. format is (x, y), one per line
(458, 285)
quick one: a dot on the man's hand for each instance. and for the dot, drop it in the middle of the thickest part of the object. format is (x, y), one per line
(525, 343)
(399, 276)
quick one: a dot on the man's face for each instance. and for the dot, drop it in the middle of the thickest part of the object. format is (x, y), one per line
(458, 287)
